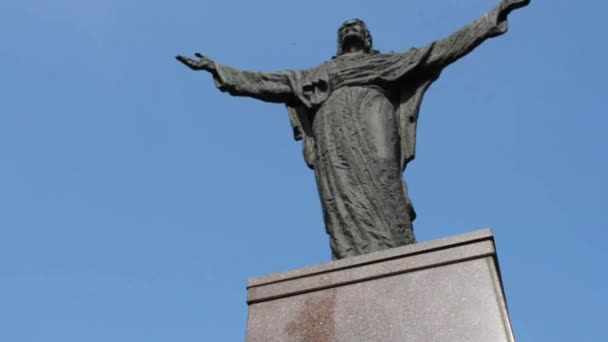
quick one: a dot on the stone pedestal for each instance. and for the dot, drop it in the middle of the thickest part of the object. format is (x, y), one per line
(444, 290)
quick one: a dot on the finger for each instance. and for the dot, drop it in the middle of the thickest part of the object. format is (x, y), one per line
(184, 60)
(200, 55)
(515, 4)
(189, 62)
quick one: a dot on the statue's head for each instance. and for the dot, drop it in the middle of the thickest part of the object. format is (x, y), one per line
(354, 34)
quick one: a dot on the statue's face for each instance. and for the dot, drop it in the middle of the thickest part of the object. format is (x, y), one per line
(353, 36)
(352, 31)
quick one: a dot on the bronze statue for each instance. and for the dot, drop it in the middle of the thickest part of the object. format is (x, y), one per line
(356, 115)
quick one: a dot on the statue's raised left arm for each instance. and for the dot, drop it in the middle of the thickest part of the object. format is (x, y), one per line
(459, 44)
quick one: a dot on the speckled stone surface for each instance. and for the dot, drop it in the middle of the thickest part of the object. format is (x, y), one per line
(444, 290)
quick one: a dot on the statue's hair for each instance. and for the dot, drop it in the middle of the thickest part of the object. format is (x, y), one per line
(367, 36)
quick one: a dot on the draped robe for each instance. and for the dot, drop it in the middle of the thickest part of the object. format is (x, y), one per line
(357, 117)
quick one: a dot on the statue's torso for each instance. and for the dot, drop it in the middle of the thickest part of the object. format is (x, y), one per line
(358, 171)
(364, 111)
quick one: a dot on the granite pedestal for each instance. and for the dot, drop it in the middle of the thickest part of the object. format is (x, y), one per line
(443, 290)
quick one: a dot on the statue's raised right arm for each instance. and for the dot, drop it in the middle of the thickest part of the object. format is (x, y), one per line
(270, 87)
(494, 23)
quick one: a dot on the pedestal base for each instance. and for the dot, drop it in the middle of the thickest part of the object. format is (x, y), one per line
(444, 290)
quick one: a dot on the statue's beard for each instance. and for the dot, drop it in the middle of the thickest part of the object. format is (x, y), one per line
(353, 42)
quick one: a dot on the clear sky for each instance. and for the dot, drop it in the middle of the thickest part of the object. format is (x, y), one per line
(136, 199)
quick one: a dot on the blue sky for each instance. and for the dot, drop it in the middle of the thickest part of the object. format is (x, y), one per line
(136, 199)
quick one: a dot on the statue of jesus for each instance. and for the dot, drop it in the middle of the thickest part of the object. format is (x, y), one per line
(356, 115)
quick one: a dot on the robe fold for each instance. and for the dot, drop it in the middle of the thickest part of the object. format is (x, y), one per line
(357, 116)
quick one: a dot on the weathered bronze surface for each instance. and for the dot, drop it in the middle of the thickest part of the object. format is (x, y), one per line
(356, 115)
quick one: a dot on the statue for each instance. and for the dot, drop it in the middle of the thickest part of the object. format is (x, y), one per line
(356, 115)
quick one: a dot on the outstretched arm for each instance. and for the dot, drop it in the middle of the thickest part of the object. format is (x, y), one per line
(459, 44)
(269, 87)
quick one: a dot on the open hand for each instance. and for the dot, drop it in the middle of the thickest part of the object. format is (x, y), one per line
(201, 63)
